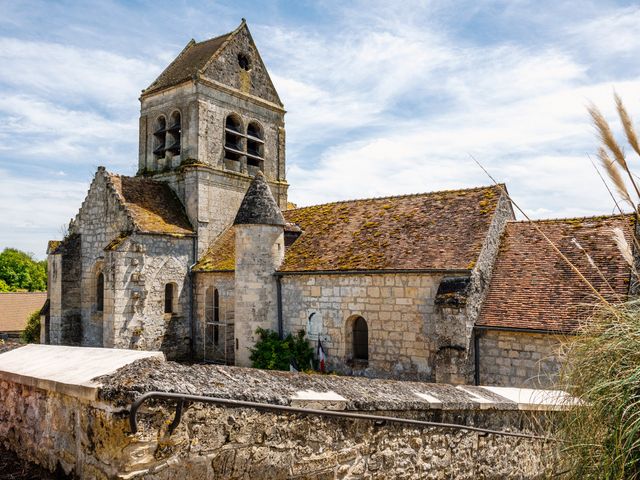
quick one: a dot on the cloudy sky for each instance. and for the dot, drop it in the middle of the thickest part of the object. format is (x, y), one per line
(383, 97)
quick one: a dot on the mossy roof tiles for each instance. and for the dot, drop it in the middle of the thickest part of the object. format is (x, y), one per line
(188, 63)
(533, 288)
(438, 230)
(152, 205)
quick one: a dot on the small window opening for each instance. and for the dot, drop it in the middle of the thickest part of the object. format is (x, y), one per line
(169, 297)
(100, 293)
(360, 339)
(174, 131)
(244, 62)
(255, 146)
(160, 137)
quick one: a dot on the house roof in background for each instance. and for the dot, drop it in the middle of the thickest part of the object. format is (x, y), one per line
(533, 288)
(17, 307)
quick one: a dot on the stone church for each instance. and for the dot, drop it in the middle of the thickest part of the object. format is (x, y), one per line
(198, 249)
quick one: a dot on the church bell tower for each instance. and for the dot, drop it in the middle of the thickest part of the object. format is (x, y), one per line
(208, 124)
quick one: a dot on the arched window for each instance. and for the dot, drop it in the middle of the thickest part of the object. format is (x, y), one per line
(233, 143)
(255, 145)
(100, 292)
(360, 339)
(174, 131)
(169, 297)
(212, 313)
(160, 137)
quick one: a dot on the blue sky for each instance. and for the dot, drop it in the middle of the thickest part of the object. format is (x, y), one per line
(383, 98)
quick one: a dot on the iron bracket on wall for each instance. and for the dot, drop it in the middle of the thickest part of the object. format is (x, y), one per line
(377, 419)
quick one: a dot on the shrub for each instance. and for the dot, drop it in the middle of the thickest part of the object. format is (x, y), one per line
(31, 333)
(271, 353)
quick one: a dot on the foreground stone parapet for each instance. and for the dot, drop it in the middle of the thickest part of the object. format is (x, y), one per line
(91, 438)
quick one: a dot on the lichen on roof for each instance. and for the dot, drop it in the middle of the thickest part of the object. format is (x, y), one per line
(152, 205)
(439, 230)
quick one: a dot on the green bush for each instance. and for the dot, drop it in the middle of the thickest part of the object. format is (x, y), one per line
(20, 272)
(271, 353)
(31, 333)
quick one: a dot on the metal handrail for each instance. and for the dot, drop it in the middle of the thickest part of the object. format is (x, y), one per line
(182, 398)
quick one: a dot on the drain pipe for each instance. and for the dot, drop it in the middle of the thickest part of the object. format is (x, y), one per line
(476, 357)
(279, 299)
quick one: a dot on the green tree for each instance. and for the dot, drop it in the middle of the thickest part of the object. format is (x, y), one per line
(31, 333)
(271, 353)
(19, 271)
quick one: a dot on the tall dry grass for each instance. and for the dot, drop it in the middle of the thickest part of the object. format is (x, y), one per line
(600, 438)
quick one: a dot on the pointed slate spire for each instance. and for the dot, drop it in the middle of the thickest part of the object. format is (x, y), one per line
(258, 206)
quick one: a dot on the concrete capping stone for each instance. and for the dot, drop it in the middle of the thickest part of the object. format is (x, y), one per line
(66, 370)
(319, 400)
(434, 402)
(530, 399)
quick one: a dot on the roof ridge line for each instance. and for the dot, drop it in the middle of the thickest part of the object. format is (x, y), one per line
(405, 195)
(189, 44)
(567, 219)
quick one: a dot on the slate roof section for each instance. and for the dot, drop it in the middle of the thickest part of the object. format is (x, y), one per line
(258, 206)
(153, 206)
(17, 307)
(188, 63)
(438, 230)
(533, 288)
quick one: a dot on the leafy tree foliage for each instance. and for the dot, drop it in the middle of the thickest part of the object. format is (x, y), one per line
(31, 333)
(20, 272)
(271, 353)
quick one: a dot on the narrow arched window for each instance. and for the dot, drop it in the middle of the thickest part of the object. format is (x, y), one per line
(233, 143)
(360, 339)
(216, 317)
(174, 132)
(169, 297)
(255, 145)
(160, 137)
(100, 292)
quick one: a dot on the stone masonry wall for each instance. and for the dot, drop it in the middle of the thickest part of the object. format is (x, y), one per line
(91, 439)
(259, 251)
(140, 269)
(519, 359)
(398, 309)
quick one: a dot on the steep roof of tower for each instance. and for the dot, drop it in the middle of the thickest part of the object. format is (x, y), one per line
(153, 206)
(258, 206)
(438, 230)
(533, 288)
(188, 63)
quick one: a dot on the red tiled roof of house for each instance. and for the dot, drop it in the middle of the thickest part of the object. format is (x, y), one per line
(17, 307)
(533, 288)
(153, 206)
(438, 230)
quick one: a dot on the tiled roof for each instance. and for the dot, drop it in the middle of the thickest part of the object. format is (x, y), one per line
(221, 255)
(17, 307)
(439, 230)
(153, 206)
(533, 288)
(188, 63)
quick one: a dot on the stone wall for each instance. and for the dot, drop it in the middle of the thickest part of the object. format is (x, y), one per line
(519, 359)
(91, 439)
(398, 309)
